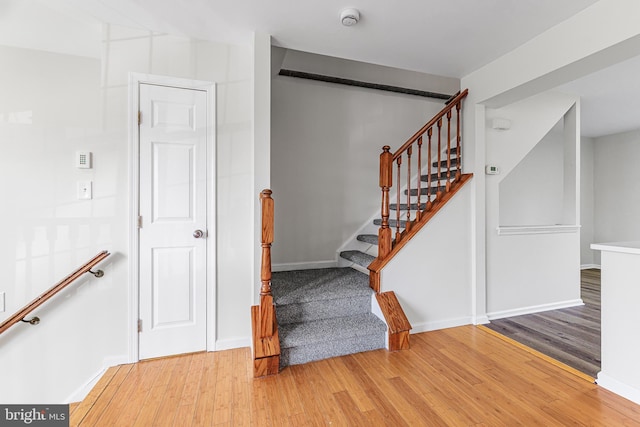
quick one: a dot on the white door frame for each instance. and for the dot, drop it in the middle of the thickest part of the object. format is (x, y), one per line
(135, 79)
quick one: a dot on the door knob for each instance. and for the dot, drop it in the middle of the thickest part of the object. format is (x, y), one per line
(198, 234)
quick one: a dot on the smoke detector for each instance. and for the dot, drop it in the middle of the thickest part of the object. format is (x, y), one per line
(349, 17)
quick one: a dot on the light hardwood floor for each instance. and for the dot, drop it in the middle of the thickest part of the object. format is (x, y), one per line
(463, 376)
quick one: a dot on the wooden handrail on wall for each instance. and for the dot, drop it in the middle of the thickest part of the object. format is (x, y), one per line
(44, 297)
(266, 343)
(449, 173)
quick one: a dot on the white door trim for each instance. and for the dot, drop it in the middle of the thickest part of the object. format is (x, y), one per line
(135, 79)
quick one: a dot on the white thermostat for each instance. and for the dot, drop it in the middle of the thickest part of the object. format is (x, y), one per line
(83, 159)
(491, 170)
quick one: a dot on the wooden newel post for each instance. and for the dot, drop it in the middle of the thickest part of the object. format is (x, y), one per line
(386, 182)
(266, 299)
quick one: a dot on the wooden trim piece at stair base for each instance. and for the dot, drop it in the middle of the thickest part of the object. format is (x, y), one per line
(266, 350)
(398, 325)
(378, 264)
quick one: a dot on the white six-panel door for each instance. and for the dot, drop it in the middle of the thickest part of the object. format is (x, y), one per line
(173, 226)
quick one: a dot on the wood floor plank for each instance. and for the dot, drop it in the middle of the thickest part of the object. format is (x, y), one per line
(103, 401)
(242, 375)
(489, 382)
(82, 408)
(570, 335)
(188, 399)
(169, 404)
(130, 409)
(156, 393)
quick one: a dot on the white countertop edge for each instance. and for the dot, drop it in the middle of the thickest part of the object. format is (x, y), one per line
(623, 247)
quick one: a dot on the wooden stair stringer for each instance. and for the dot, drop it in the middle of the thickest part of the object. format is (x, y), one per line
(378, 264)
(398, 326)
(266, 350)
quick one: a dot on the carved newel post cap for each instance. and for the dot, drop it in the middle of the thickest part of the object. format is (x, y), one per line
(386, 148)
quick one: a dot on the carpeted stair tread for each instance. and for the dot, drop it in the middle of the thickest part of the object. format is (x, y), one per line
(329, 330)
(423, 190)
(372, 239)
(403, 206)
(358, 257)
(300, 286)
(313, 352)
(443, 176)
(392, 222)
(443, 163)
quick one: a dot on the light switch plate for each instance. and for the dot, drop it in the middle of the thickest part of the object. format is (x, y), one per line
(2, 302)
(85, 191)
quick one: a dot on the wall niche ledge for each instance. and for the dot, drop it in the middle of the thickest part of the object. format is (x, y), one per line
(511, 230)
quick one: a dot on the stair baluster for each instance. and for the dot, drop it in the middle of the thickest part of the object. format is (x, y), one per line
(419, 209)
(439, 156)
(458, 143)
(399, 163)
(429, 174)
(409, 152)
(448, 185)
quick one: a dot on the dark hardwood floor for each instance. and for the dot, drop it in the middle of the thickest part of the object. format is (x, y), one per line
(570, 335)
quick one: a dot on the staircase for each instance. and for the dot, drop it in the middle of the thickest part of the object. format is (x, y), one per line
(324, 313)
(364, 251)
(328, 312)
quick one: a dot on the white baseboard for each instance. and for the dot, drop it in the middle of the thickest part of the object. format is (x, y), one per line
(618, 387)
(481, 320)
(586, 266)
(534, 309)
(83, 391)
(440, 324)
(303, 265)
(228, 344)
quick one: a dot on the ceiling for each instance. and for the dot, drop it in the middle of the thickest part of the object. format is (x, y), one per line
(445, 37)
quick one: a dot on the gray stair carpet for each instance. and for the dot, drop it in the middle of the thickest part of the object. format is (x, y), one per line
(434, 176)
(392, 222)
(424, 190)
(403, 206)
(372, 239)
(324, 313)
(358, 257)
(443, 163)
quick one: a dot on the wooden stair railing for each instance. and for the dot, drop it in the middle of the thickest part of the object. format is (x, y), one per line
(19, 316)
(266, 343)
(448, 180)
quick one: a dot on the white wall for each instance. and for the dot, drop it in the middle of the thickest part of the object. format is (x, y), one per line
(431, 276)
(530, 194)
(529, 272)
(565, 52)
(616, 182)
(587, 202)
(55, 104)
(326, 142)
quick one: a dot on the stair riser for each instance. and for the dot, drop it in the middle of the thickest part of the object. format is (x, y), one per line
(326, 309)
(312, 352)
